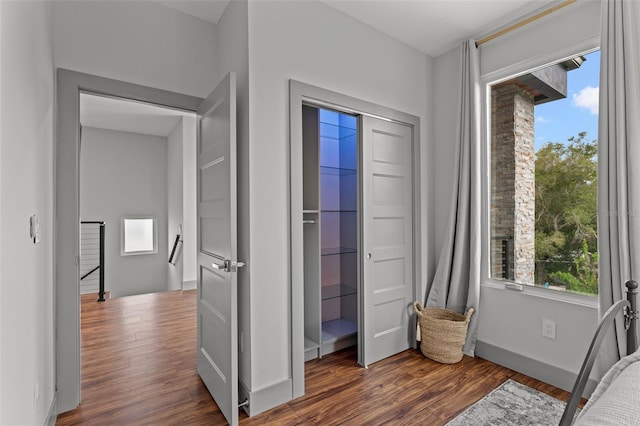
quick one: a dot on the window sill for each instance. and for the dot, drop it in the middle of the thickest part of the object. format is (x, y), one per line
(555, 295)
(138, 253)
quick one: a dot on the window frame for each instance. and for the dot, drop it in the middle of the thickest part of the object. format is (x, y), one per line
(122, 236)
(486, 82)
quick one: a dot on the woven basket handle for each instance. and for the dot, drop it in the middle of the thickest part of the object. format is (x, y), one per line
(470, 312)
(417, 307)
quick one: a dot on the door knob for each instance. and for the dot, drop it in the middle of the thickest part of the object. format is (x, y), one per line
(368, 255)
(228, 266)
(219, 267)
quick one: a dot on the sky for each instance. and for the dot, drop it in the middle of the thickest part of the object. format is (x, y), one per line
(559, 120)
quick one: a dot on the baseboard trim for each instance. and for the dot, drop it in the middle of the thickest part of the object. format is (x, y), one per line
(52, 415)
(267, 398)
(556, 376)
(189, 285)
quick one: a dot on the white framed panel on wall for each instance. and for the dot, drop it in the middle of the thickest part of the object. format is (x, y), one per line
(138, 235)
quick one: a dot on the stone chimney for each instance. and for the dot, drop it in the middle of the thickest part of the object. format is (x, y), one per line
(513, 167)
(513, 182)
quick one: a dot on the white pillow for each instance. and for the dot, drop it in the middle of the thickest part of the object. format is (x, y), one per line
(618, 404)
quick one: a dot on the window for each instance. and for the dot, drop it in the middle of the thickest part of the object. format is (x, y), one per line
(139, 235)
(543, 180)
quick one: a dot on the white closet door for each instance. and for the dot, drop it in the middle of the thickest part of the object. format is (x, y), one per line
(387, 239)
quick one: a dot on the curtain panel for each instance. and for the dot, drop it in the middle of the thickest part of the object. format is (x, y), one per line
(456, 284)
(618, 162)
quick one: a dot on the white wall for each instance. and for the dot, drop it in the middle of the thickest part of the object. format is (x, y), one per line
(174, 206)
(136, 41)
(233, 55)
(26, 188)
(511, 321)
(2, 84)
(446, 94)
(181, 203)
(315, 44)
(189, 215)
(125, 174)
(557, 32)
(144, 43)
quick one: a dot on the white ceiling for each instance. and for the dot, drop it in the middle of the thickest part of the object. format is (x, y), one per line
(436, 26)
(127, 116)
(431, 26)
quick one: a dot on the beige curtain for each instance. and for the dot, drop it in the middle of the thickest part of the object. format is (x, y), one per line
(618, 161)
(456, 284)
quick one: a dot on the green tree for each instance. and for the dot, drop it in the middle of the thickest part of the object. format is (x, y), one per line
(566, 214)
(584, 279)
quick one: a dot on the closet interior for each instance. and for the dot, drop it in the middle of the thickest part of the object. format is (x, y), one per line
(331, 230)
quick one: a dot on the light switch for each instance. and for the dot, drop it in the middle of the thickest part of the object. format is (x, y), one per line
(34, 229)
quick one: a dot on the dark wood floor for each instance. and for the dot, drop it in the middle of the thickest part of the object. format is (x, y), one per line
(139, 368)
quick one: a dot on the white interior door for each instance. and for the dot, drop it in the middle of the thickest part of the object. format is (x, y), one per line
(387, 239)
(217, 247)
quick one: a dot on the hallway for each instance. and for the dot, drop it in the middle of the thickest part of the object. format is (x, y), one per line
(139, 363)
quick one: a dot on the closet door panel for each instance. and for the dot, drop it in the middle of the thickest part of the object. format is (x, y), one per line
(387, 239)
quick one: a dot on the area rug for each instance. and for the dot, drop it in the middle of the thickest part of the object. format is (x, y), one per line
(512, 404)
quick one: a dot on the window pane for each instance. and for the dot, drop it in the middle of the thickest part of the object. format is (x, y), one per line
(544, 177)
(138, 235)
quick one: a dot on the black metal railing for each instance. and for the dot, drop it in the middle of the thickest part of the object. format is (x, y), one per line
(100, 265)
(173, 251)
(505, 250)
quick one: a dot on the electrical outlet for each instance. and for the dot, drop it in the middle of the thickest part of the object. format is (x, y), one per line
(549, 328)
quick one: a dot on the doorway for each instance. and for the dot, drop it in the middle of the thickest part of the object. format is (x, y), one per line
(67, 310)
(331, 223)
(131, 187)
(137, 174)
(387, 221)
(216, 189)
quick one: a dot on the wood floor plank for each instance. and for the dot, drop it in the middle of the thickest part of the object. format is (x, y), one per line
(139, 368)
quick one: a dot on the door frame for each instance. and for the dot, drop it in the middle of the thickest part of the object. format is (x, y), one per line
(300, 93)
(67, 212)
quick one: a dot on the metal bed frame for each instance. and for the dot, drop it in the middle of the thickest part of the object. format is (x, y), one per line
(629, 310)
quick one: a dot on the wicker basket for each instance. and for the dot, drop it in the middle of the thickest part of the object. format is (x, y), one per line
(443, 332)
